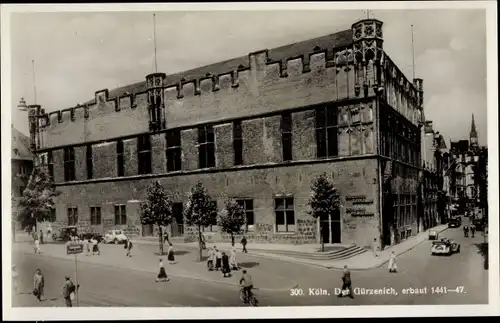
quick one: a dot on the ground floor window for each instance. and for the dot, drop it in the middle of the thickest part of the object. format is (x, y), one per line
(284, 214)
(95, 215)
(247, 205)
(120, 214)
(72, 216)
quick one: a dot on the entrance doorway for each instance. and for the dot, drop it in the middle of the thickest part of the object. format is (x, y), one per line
(177, 226)
(331, 228)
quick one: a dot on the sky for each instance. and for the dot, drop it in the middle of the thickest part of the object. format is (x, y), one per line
(78, 53)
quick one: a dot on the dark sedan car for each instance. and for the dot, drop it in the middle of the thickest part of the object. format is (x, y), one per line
(455, 223)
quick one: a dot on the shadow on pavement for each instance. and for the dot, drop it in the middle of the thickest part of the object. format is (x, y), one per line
(249, 264)
(181, 252)
(483, 251)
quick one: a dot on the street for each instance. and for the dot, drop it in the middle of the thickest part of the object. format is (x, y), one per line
(418, 272)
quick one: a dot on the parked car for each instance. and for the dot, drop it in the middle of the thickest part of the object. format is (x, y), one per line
(115, 236)
(455, 222)
(445, 247)
(65, 233)
(433, 235)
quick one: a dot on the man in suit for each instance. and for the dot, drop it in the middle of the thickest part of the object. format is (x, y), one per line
(346, 282)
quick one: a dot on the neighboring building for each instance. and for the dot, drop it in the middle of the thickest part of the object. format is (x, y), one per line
(22, 165)
(257, 128)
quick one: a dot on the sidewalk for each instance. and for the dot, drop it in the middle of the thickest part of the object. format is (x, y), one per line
(363, 261)
(144, 259)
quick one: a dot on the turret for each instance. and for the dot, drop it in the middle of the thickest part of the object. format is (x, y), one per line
(156, 103)
(473, 134)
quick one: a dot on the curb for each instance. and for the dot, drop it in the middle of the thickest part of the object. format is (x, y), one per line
(295, 285)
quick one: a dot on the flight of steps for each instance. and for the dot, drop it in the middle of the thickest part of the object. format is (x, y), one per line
(338, 254)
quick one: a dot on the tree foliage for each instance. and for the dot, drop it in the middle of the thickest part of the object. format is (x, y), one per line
(324, 197)
(37, 202)
(201, 210)
(157, 210)
(232, 219)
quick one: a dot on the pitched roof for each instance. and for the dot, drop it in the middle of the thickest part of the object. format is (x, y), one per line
(339, 39)
(20, 146)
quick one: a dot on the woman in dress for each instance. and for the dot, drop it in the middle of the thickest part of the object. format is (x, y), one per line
(218, 259)
(210, 259)
(162, 275)
(392, 263)
(95, 247)
(232, 260)
(226, 270)
(171, 257)
(38, 284)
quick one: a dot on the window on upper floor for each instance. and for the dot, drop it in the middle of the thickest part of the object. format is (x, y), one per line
(284, 214)
(69, 164)
(326, 132)
(95, 215)
(120, 158)
(238, 143)
(120, 214)
(206, 146)
(286, 135)
(174, 150)
(90, 164)
(144, 154)
(50, 164)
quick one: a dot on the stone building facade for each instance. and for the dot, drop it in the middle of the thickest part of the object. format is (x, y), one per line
(258, 129)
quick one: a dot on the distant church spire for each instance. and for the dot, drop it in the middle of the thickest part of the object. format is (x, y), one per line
(473, 132)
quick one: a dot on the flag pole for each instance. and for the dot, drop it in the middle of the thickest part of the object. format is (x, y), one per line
(154, 39)
(413, 51)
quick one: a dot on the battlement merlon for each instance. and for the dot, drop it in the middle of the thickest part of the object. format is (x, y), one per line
(361, 47)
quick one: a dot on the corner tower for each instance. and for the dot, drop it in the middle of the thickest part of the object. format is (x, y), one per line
(368, 42)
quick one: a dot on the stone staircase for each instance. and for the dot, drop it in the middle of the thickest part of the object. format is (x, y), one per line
(336, 254)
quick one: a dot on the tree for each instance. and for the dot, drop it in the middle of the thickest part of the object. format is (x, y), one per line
(157, 210)
(201, 211)
(324, 200)
(37, 202)
(232, 218)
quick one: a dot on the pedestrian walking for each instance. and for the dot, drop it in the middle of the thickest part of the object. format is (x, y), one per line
(38, 284)
(86, 247)
(37, 243)
(218, 259)
(375, 247)
(68, 291)
(15, 279)
(232, 260)
(346, 289)
(393, 268)
(171, 256)
(210, 259)
(162, 274)
(226, 270)
(472, 230)
(95, 247)
(466, 231)
(128, 247)
(244, 244)
(41, 236)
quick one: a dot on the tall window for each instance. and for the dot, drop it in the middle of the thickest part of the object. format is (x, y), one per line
(120, 214)
(144, 154)
(50, 164)
(178, 214)
(238, 143)
(95, 215)
(206, 146)
(120, 158)
(69, 164)
(286, 135)
(326, 132)
(90, 165)
(173, 138)
(72, 216)
(247, 205)
(285, 214)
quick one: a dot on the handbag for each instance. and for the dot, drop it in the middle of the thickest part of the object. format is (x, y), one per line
(35, 292)
(72, 296)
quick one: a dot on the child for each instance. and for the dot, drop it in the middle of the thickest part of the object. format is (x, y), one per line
(128, 246)
(162, 275)
(392, 263)
(170, 257)
(95, 247)
(210, 259)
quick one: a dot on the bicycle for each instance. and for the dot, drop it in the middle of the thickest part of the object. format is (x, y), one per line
(252, 299)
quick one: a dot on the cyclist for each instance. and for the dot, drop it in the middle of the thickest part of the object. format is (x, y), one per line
(246, 283)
